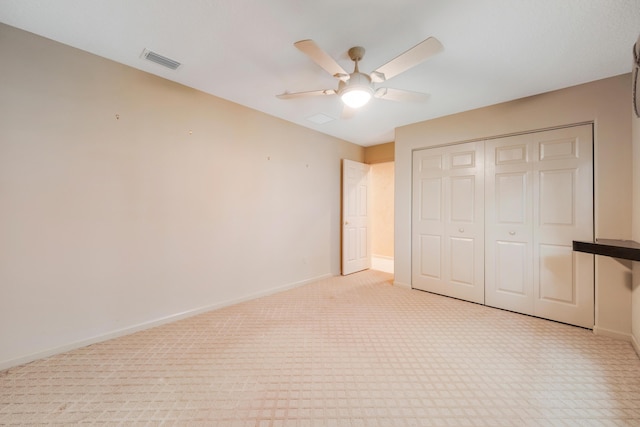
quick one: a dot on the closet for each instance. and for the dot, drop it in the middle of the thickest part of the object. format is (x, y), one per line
(493, 223)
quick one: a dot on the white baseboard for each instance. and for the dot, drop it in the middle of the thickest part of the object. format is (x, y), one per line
(611, 334)
(6, 364)
(382, 263)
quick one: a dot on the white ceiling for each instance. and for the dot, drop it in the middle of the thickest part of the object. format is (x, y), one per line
(242, 50)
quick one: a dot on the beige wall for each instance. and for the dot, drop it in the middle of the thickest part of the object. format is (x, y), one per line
(380, 153)
(606, 103)
(382, 209)
(127, 200)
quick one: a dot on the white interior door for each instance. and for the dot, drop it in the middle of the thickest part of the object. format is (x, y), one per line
(356, 238)
(509, 223)
(539, 198)
(563, 212)
(448, 221)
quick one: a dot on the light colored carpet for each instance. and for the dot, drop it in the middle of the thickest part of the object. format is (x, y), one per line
(347, 351)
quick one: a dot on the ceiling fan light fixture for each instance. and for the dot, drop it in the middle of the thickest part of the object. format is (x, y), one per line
(356, 97)
(357, 91)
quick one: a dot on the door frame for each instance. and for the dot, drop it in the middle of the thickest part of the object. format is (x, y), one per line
(594, 184)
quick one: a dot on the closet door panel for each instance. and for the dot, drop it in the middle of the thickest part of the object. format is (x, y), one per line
(563, 212)
(557, 282)
(464, 223)
(430, 261)
(462, 198)
(462, 256)
(511, 198)
(509, 224)
(557, 197)
(461, 242)
(431, 199)
(448, 221)
(428, 231)
(511, 268)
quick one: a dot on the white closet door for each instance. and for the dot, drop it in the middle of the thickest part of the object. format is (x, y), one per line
(509, 223)
(448, 221)
(563, 212)
(539, 198)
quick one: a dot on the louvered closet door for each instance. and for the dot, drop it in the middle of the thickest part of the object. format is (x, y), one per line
(539, 198)
(448, 221)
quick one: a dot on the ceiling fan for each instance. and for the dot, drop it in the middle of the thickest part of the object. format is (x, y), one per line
(356, 88)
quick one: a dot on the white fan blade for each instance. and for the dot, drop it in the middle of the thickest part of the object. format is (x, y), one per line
(399, 95)
(408, 59)
(322, 58)
(348, 112)
(288, 95)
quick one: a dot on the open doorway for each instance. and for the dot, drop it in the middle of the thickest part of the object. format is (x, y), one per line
(382, 216)
(381, 160)
(370, 246)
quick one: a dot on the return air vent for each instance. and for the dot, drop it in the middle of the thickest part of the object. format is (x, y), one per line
(159, 59)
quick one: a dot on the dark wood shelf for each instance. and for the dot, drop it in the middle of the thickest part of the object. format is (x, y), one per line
(624, 249)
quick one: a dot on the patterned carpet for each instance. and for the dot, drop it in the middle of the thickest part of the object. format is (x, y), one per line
(346, 351)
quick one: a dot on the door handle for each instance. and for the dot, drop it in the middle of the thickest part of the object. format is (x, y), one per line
(461, 230)
(512, 233)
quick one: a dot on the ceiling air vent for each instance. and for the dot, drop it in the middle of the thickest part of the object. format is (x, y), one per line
(320, 119)
(159, 59)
